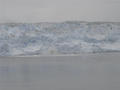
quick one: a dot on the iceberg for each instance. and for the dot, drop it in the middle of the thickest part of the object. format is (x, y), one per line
(58, 38)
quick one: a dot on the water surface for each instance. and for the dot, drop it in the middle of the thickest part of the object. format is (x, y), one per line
(83, 72)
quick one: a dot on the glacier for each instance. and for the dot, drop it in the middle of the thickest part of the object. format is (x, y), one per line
(58, 38)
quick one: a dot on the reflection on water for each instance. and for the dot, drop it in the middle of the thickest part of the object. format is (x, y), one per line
(53, 74)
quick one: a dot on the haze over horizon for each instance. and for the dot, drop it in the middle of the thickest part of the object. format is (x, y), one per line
(59, 10)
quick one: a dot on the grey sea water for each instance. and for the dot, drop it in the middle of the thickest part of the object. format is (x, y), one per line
(83, 72)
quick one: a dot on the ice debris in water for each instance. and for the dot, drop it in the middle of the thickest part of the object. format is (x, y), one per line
(59, 38)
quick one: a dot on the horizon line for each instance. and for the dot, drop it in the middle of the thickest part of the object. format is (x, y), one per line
(67, 21)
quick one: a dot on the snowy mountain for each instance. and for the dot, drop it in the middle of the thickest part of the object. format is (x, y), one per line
(59, 38)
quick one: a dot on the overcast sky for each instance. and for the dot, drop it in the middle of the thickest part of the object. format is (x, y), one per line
(59, 10)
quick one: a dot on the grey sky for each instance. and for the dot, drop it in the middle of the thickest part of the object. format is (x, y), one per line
(59, 10)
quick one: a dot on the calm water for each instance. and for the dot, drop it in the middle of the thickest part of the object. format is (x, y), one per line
(84, 72)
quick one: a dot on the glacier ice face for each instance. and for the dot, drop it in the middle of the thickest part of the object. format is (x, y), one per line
(59, 38)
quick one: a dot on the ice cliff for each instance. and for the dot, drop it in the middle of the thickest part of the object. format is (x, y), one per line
(58, 38)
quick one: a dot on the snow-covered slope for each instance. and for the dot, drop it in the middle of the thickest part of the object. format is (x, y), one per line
(59, 38)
